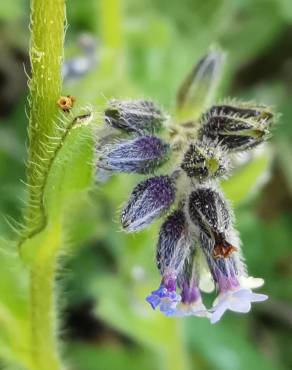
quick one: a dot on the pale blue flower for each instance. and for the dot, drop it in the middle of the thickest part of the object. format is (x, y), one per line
(235, 300)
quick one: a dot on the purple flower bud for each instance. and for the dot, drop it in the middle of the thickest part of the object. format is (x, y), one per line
(134, 116)
(237, 127)
(149, 200)
(190, 292)
(188, 278)
(140, 155)
(225, 272)
(203, 161)
(173, 243)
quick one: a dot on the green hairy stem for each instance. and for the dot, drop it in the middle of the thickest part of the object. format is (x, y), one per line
(42, 303)
(46, 52)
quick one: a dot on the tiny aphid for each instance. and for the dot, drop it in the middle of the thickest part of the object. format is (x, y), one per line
(66, 103)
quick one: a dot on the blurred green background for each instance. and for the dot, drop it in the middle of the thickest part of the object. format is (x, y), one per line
(144, 49)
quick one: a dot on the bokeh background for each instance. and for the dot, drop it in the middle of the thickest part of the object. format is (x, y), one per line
(129, 48)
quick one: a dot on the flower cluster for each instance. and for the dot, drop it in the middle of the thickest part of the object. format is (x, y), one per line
(198, 247)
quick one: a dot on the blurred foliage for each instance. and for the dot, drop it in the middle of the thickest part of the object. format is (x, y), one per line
(145, 48)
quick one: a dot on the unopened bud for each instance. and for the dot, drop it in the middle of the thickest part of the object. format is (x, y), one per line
(204, 160)
(198, 89)
(141, 155)
(209, 211)
(237, 127)
(173, 243)
(149, 200)
(139, 116)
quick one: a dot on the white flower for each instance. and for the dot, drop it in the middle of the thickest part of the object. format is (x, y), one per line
(238, 300)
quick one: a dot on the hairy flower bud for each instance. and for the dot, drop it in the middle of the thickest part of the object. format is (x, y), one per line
(209, 211)
(148, 201)
(134, 116)
(173, 243)
(140, 155)
(203, 161)
(237, 127)
(197, 90)
(172, 249)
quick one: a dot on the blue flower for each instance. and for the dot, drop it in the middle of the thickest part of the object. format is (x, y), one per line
(141, 155)
(165, 297)
(149, 200)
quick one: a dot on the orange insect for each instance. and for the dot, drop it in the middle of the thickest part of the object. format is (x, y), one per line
(222, 248)
(66, 103)
(223, 251)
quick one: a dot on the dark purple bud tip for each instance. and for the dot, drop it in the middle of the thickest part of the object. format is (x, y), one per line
(134, 116)
(142, 155)
(172, 243)
(149, 200)
(238, 127)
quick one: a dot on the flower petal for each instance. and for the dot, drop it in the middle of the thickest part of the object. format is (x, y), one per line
(250, 282)
(218, 312)
(164, 298)
(238, 301)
